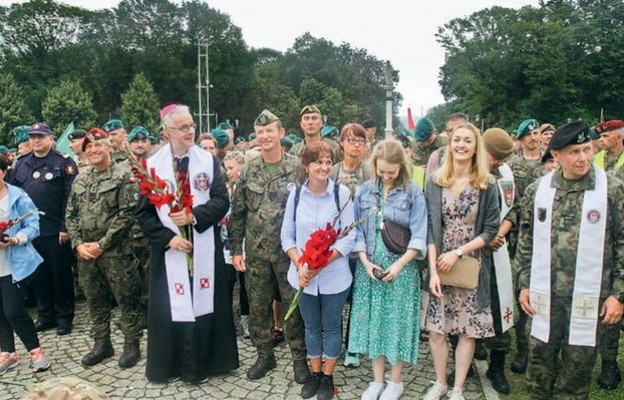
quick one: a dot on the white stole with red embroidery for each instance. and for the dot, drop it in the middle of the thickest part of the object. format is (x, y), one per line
(200, 175)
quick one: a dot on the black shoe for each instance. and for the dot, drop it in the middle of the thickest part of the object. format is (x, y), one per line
(102, 349)
(261, 367)
(610, 375)
(302, 372)
(62, 331)
(450, 379)
(326, 388)
(131, 354)
(499, 380)
(519, 363)
(310, 388)
(480, 352)
(41, 326)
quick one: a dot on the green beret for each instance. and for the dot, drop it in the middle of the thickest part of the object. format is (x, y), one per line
(251, 136)
(112, 125)
(294, 137)
(153, 139)
(526, 126)
(21, 138)
(286, 142)
(239, 139)
(329, 131)
(424, 129)
(77, 134)
(576, 132)
(139, 132)
(13, 150)
(266, 117)
(309, 110)
(220, 136)
(225, 126)
(21, 130)
(593, 134)
(3, 149)
(408, 132)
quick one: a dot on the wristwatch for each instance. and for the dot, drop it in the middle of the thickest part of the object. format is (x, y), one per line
(459, 253)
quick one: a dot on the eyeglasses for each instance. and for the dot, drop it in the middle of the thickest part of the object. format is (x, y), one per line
(183, 128)
(359, 142)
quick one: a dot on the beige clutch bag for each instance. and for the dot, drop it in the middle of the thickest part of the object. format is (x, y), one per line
(464, 274)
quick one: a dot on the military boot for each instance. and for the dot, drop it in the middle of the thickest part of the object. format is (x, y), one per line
(496, 372)
(261, 367)
(610, 375)
(131, 354)
(519, 363)
(102, 349)
(480, 352)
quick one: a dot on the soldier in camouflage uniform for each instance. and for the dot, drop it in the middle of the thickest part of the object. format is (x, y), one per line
(563, 207)
(426, 141)
(311, 121)
(118, 137)
(100, 212)
(257, 213)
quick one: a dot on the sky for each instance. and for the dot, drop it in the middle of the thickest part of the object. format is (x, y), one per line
(391, 30)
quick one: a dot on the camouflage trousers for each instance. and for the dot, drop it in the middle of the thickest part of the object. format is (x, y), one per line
(558, 370)
(116, 275)
(610, 342)
(263, 279)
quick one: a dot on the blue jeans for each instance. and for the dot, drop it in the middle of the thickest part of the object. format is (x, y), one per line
(322, 316)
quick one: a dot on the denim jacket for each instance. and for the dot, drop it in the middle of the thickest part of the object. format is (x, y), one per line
(405, 207)
(23, 258)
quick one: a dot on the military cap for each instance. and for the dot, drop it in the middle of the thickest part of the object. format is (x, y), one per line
(266, 117)
(547, 156)
(606, 126)
(287, 142)
(225, 126)
(138, 132)
(294, 137)
(593, 134)
(39, 128)
(95, 134)
(424, 129)
(576, 132)
(77, 134)
(251, 136)
(21, 130)
(220, 136)
(546, 128)
(3, 149)
(22, 135)
(498, 143)
(112, 125)
(13, 150)
(369, 123)
(526, 126)
(153, 139)
(309, 110)
(405, 141)
(329, 131)
(239, 139)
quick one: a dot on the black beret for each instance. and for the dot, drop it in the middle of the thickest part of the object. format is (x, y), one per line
(573, 133)
(77, 134)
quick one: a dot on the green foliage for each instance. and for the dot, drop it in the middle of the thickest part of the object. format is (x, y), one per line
(67, 103)
(13, 109)
(140, 105)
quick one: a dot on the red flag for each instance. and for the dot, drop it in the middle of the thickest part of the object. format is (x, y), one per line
(410, 120)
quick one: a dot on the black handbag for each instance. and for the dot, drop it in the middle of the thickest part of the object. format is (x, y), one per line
(396, 237)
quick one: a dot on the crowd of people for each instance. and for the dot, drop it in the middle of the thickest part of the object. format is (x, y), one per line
(449, 238)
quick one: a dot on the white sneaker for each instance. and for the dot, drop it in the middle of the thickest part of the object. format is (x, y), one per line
(456, 394)
(392, 391)
(436, 391)
(373, 391)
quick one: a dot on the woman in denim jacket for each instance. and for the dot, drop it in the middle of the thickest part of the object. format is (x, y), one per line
(18, 260)
(386, 298)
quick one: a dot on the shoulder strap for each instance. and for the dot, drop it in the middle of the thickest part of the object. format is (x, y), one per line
(298, 193)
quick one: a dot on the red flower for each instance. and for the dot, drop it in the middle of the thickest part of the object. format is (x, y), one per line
(316, 252)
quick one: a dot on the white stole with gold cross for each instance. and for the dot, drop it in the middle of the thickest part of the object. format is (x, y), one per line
(502, 263)
(185, 308)
(589, 259)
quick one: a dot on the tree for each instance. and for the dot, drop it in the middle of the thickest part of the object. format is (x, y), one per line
(66, 103)
(13, 109)
(140, 105)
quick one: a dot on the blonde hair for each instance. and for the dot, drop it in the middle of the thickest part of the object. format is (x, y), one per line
(479, 170)
(235, 155)
(391, 151)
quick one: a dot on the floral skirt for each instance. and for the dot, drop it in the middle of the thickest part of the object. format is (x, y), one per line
(457, 313)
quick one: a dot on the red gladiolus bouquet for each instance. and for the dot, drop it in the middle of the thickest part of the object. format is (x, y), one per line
(317, 250)
(6, 225)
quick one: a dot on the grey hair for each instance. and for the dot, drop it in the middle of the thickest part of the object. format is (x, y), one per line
(178, 109)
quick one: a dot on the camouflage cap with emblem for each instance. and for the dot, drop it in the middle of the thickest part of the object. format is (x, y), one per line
(311, 109)
(526, 126)
(112, 125)
(95, 135)
(139, 132)
(66, 388)
(266, 117)
(576, 132)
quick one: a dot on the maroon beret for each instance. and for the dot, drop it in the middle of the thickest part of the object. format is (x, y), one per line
(93, 135)
(606, 126)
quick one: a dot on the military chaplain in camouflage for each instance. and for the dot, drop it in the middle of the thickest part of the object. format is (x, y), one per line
(257, 213)
(100, 212)
(571, 259)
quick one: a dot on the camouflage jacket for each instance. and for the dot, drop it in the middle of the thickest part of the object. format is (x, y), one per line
(101, 207)
(422, 153)
(297, 149)
(523, 172)
(566, 219)
(258, 207)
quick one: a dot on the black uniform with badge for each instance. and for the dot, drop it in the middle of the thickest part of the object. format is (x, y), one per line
(48, 180)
